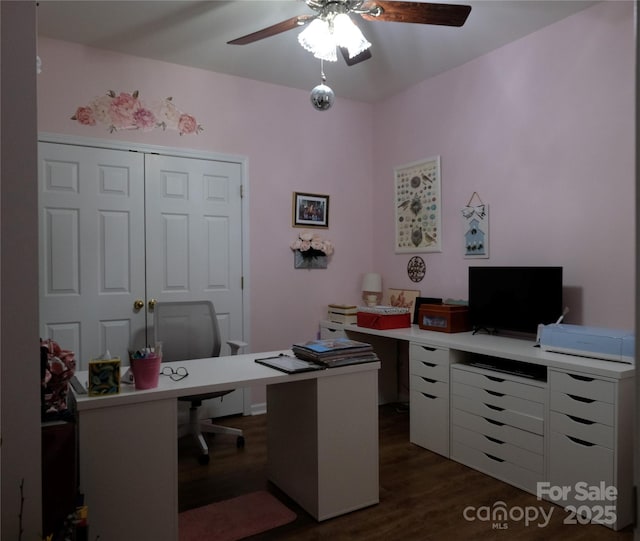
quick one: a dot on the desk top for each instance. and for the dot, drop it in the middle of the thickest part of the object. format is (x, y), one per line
(210, 375)
(505, 347)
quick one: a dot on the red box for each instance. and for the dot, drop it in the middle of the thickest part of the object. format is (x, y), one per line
(372, 320)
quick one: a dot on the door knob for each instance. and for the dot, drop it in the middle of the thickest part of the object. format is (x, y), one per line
(138, 304)
(152, 304)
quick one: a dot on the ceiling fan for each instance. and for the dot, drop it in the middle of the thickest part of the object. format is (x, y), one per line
(331, 13)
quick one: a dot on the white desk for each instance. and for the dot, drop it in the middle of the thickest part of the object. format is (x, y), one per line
(322, 443)
(563, 419)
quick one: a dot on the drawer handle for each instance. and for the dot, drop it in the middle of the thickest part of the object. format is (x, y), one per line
(497, 423)
(494, 393)
(429, 380)
(432, 397)
(581, 442)
(429, 348)
(581, 399)
(579, 420)
(580, 378)
(495, 408)
(429, 364)
(493, 457)
(494, 440)
(493, 378)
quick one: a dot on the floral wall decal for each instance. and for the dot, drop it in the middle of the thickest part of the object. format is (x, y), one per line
(127, 111)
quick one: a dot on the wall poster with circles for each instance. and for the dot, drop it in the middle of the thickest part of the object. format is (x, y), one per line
(418, 206)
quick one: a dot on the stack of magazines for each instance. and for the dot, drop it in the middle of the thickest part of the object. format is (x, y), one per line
(335, 352)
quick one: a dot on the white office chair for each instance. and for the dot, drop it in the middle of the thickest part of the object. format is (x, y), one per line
(189, 330)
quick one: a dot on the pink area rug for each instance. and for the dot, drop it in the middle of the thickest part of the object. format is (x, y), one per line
(234, 519)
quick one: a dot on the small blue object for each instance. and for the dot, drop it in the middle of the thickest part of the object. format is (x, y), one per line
(595, 342)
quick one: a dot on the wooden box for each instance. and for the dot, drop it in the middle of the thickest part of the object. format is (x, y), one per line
(342, 313)
(444, 318)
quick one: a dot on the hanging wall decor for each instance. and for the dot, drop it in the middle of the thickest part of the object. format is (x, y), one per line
(416, 268)
(311, 251)
(476, 228)
(418, 206)
(127, 111)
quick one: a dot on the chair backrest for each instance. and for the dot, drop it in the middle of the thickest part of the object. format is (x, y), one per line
(187, 330)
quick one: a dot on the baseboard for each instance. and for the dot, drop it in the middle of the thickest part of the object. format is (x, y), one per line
(259, 409)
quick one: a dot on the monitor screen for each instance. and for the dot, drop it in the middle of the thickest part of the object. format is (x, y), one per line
(514, 298)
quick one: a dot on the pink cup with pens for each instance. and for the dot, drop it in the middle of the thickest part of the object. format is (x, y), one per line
(146, 369)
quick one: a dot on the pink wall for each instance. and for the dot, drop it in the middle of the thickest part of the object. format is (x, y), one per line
(289, 147)
(543, 130)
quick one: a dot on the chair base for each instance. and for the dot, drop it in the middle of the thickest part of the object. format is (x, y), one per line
(198, 427)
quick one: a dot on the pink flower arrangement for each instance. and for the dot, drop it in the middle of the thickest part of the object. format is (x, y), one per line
(126, 111)
(61, 365)
(312, 245)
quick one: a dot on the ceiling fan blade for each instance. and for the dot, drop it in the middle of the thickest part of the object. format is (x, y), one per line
(418, 12)
(289, 24)
(364, 55)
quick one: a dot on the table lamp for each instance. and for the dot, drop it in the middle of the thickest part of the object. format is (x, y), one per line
(371, 288)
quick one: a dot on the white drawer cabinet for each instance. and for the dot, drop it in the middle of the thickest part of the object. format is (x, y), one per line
(517, 413)
(587, 450)
(429, 397)
(497, 424)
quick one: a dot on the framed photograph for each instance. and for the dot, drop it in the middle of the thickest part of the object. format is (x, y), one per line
(418, 204)
(310, 210)
(401, 298)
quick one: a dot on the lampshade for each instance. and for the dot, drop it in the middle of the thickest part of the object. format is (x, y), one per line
(348, 35)
(324, 35)
(372, 282)
(318, 39)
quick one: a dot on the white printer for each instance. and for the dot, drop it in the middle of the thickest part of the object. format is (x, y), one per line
(595, 342)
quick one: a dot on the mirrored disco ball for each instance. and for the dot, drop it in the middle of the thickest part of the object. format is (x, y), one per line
(322, 97)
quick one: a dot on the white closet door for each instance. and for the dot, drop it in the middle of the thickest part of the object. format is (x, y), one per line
(91, 249)
(194, 243)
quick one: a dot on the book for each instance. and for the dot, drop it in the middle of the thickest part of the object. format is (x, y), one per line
(335, 351)
(330, 346)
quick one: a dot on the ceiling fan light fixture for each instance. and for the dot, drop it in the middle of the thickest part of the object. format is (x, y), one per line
(318, 39)
(347, 34)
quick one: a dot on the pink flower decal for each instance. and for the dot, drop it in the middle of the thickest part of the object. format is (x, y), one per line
(126, 111)
(84, 115)
(144, 119)
(187, 124)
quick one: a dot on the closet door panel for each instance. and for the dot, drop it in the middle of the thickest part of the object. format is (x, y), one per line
(197, 206)
(91, 249)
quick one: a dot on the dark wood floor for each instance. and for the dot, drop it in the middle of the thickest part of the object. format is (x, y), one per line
(422, 495)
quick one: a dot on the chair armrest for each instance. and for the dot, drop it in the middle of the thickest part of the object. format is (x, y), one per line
(235, 345)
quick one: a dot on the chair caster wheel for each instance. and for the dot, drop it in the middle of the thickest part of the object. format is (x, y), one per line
(203, 460)
(240, 442)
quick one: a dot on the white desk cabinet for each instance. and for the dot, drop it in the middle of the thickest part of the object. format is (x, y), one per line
(322, 442)
(497, 424)
(429, 397)
(506, 408)
(590, 420)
